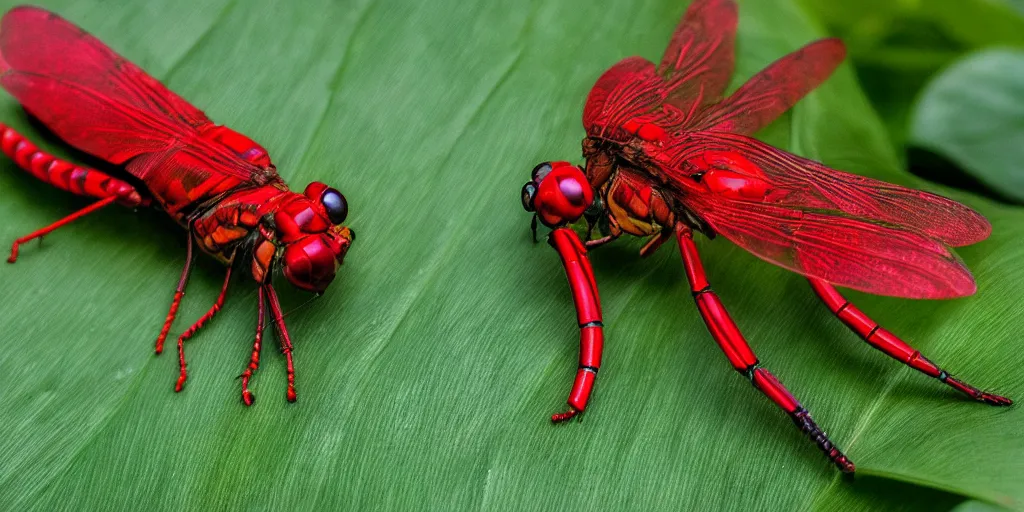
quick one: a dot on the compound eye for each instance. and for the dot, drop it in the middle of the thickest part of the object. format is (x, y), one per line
(335, 205)
(573, 191)
(541, 171)
(529, 192)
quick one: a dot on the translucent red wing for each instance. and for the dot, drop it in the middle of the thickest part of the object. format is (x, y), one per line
(801, 183)
(693, 73)
(629, 89)
(773, 90)
(93, 98)
(700, 58)
(850, 252)
(845, 229)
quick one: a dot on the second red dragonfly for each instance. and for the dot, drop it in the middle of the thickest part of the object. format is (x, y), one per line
(215, 182)
(667, 155)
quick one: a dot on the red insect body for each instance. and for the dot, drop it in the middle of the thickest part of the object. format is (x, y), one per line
(667, 155)
(217, 183)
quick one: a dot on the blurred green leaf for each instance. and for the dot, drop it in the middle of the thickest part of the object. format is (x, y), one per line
(427, 373)
(973, 114)
(897, 46)
(978, 506)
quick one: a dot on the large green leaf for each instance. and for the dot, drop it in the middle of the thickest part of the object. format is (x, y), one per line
(427, 372)
(897, 46)
(973, 113)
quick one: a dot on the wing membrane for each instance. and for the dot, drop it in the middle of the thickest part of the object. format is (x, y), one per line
(628, 89)
(694, 72)
(773, 90)
(90, 96)
(700, 58)
(801, 183)
(850, 252)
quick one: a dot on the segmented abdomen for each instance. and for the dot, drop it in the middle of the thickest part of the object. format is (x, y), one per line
(62, 174)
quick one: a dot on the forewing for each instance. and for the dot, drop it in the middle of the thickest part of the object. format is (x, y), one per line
(849, 252)
(773, 90)
(801, 183)
(90, 96)
(694, 72)
(700, 58)
(629, 89)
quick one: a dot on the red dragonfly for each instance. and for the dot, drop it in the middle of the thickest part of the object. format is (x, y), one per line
(217, 183)
(667, 155)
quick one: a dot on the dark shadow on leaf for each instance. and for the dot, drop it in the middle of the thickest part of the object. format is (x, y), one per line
(938, 169)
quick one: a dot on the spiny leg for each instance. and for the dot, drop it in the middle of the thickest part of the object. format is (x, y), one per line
(286, 340)
(219, 303)
(254, 360)
(588, 316)
(179, 292)
(62, 222)
(890, 344)
(728, 336)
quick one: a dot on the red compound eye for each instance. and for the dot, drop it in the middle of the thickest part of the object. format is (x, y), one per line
(562, 195)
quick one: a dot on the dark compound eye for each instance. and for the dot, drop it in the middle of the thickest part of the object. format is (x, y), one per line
(335, 204)
(529, 190)
(541, 171)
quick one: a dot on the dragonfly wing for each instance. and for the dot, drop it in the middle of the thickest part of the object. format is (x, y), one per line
(91, 97)
(183, 175)
(693, 72)
(700, 58)
(773, 91)
(802, 183)
(629, 89)
(855, 253)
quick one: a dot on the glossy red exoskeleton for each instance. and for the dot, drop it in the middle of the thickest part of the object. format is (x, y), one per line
(667, 155)
(217, 183)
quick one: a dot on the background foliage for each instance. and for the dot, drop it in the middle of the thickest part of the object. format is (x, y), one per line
(427, 373)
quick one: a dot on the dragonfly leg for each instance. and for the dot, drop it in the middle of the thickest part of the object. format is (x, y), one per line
(887, 342)
(655, 242)
(588, 316)
(62, 222)
(614, 232)
(286, 340)
(728, 336)
(179, 292)
(65, 176)
(219, 303)
(254, 360)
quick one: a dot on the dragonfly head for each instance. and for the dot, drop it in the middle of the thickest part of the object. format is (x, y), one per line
(558, 193)
(315, 241)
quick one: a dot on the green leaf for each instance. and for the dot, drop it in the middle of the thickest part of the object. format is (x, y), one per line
(898, 46)
(427, 372)
(977, 506)
(972, 114)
